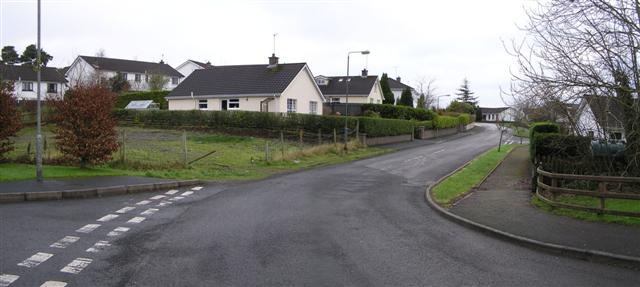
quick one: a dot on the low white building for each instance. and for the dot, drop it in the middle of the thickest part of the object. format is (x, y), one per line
(363, 89)
(279, 88)
(86, 69)
(189, 66)
(24, 79)
(502, 114)
(601, 117)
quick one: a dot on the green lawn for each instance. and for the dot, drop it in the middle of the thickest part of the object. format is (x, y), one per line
(159, 153)
(624, 205)
(457, 185)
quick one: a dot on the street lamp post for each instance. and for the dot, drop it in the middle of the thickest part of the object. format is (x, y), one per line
(438, 97)
(38, 108)
(346, 106)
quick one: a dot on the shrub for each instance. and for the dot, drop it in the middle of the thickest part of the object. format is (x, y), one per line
(465, 119)
(445, 122)
(261, 121)
(560, 146)
(543, 127)
(85, 128)
(371, 114)
(425, 124)
(9, 118)
(157, 96)
(400, 112)
(460, 107)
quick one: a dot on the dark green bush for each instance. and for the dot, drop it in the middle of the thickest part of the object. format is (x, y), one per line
(158, 97)
(543, 127)
(465, 119)
(399, 112)
(264, 121)
(445, 122)
(559, 146)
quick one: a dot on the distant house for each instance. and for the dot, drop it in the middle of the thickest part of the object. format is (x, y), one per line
(24, 78)
(601, 117)
(189, 66)
(398, 87)
(280, 88)
(137, 73)
(502, 114)
(363, 89)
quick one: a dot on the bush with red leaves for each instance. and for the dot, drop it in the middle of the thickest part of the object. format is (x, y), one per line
(9, 118)
(85, 129)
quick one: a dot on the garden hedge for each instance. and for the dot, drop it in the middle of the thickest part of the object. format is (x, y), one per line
(388, 111)
(374, 127)
(560, 146)
(156, 96)
(543, 127)
(445, 122)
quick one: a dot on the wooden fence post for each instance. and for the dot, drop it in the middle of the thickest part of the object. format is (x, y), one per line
(319, 136)
(300, 135)
(358, 130)
(335, 138)
(123, 157)
(554, 184)
(266, 151)
(282, 143)
(602, 188)
(184, 147)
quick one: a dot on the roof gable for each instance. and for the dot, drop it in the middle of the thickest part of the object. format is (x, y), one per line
(238, 80)
(122, 65)
(396, 85)
(608, 111)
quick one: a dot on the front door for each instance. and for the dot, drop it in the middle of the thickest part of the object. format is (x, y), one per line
(224, 105)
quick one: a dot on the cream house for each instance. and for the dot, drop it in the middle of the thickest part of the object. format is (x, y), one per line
(363, 89)
(279, 88)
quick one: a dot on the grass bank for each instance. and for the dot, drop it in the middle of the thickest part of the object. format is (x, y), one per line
(160, 153)
(463, 181)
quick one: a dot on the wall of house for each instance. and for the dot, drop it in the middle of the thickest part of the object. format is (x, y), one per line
(587, 124)
(353, 99)
(188, 68)
(19, 94)
(375, 96)
(303, 88)
(80, 72)
(215, 104)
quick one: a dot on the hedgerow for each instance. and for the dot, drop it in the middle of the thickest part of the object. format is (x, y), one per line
(399, 112)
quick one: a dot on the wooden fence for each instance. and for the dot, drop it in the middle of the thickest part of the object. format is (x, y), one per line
(550, 185)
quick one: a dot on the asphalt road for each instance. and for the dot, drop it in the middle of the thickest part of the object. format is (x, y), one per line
(364, 223)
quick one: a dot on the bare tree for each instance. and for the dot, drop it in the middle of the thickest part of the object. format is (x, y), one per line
(427, 88)
(101, 53)
(582, 47)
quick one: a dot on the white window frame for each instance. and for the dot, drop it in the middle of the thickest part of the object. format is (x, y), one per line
(333, 100)
(137, 78)
(313, 107)
(203, 104)
(124, 75)
(174, 80)
(292, 105)
(235, 102)
(27, 86)
(55, 88)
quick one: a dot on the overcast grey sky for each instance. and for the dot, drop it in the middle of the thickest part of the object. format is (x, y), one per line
(445, 40)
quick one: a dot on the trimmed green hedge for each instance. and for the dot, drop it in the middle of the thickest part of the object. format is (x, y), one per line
(465, 119)
(560, 146)
(157, 96)
(445, 122)
(543, 127)
(256, 120)
(399, 112)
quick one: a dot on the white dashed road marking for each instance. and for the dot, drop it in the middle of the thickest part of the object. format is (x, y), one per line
(64, 242)
(176, 198)
(144, 202)
(7, 279)
(197, 188)
(88, 228)
(149, 211)
(157, 197)
(437, 152)
(136, 220)
(171, 192)
(76, 265)
(53, 284)
(35, 260)
(125, 209)
(118, 231)
(108, 217)
(164, 203)
(187, 193)
(99, 246)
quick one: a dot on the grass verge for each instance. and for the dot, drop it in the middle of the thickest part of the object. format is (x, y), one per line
(616, 204)
(460, 183)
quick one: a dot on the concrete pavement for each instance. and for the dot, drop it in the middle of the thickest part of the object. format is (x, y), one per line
(363, 223)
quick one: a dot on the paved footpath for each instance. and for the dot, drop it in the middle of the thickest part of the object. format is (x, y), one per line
(504, 202)
(77, 183)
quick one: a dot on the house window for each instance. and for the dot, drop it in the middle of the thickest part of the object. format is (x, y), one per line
(52, 88)
(591, 134)
(615, 136)
(291, 105)
(313, 107)
(146, 78)
(124, 76)
(27, 86)
(234, 104)
(174, 80)
(138, 78)
(203, 104)
(335, 100)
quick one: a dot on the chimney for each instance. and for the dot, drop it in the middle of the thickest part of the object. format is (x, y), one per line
(365, 73)
(398, 79)
(273, 61)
